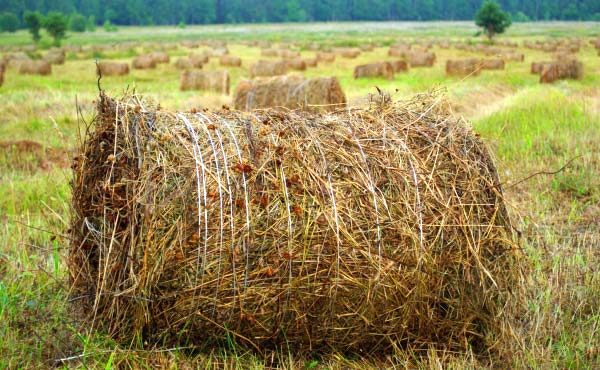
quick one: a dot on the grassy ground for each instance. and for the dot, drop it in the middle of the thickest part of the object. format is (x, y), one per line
(531, 129)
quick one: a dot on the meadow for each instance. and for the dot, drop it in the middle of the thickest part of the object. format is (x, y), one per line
(545, 139)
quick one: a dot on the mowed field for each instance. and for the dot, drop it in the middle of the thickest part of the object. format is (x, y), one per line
(545, 139)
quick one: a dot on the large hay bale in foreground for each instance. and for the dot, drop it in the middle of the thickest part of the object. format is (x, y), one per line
(143, 62)
(230, 61)
(463, 67)
(291, 92)
(217, 81)
(267, 68)
(377, 69)
(561, 70)
(360, 230)
(35, 67)
(113, 68)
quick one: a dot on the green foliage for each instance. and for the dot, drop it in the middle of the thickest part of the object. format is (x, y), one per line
(521, 17)
(181, 25)
(109, 27)
(56, 24)
(77, 23)
(8, 22)
(34, 21)
(492, 18)
(91, 24)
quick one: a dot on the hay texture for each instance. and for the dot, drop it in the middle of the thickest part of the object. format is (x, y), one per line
(35, 67)
(290, 92)
(377, 69)
(421, 58)
(492, 64)
(399, 66)
(230, 61)
(463, 67)
(143, 62)
(297, 64)
(217, 81)
(55, 56)
(2, 69)
(325, 57)
(113, 68)
(358, 230)
(552, 72)
(266, 68)
(160, 57)
(536, 67)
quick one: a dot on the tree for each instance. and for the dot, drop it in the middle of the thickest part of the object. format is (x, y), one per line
(91, 24)
(77, 23)
(492, 18)
(56, 25)
(34, 21)
(8, 22)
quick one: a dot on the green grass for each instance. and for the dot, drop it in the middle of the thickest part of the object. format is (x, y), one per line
(530, 128)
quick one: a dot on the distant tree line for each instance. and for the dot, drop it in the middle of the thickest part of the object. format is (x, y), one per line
(173, 12)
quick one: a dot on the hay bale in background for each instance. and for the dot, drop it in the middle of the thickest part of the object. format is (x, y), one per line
(399, 66)
(183, 63)
(297, 64)
(2, 69)
(292, 92)
(463, 67)
(421, 59)
(349, 53)
(217, 81)
(267, 68)
(551, 72)
(160, 57)
(230, 61)
(55, 56)
(377, 69)
(325, 57)
(492, 64)
(198, 59)
(536, 67)
(35, 67)
(113, 68)
(311, 62)
(516, 57)
(143, 62)
(306, 232)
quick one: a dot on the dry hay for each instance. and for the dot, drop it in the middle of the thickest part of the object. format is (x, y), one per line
(3, 64)
(377, 69)
(190, 44)
(55, 56)
(160, 57)
(35, 67)
(267, 68)
(399, 66)
(325, 57)
(290, 92)
(311, 62)
(516, 57)
(463, 67)
(14, 60)
(359, 230)
(297, 64)
(536, 67)
(366, 47)
(349, 53)
(183, 63)
(143, 62)
(492, 64)
(282, 53)
(28, 155)
(561, 70)
(113, 68)
(395, 52)
(230, 61)
(217, 52)
(198, 59)
(269, 52)
(421, 59)
(217, 81)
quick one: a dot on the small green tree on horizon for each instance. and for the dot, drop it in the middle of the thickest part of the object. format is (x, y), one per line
(34, 21)
(492, 18)
(77, 22)
(56, 25)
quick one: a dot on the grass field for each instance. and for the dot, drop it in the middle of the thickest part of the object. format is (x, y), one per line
(532, 129)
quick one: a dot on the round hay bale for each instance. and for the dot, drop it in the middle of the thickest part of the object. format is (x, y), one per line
(463, 67)
(290, 92)
(297, 64)
(217, 81)
(113, 68)
(377, 69)
(198, 59)
(267, 68)
(536, 67)
(55, 56)
(2, 68)
(360, 230)
(350, 53)
(35, 67)
(325, 57)
(14, 60)
(552, 72)
(421, 59)
(184, 63)
(230, 61)
(143, 62)
(492, 64)
(399, 66)
(311, 62)
(516, 57)
(160, 57)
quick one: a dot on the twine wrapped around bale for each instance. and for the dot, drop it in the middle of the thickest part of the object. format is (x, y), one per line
(217, 81)
(290, 92)
(35, 67)
(377, 69)
(113, 68)
(359, 230)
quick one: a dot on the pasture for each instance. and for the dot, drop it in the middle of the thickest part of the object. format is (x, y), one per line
(545, 139)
